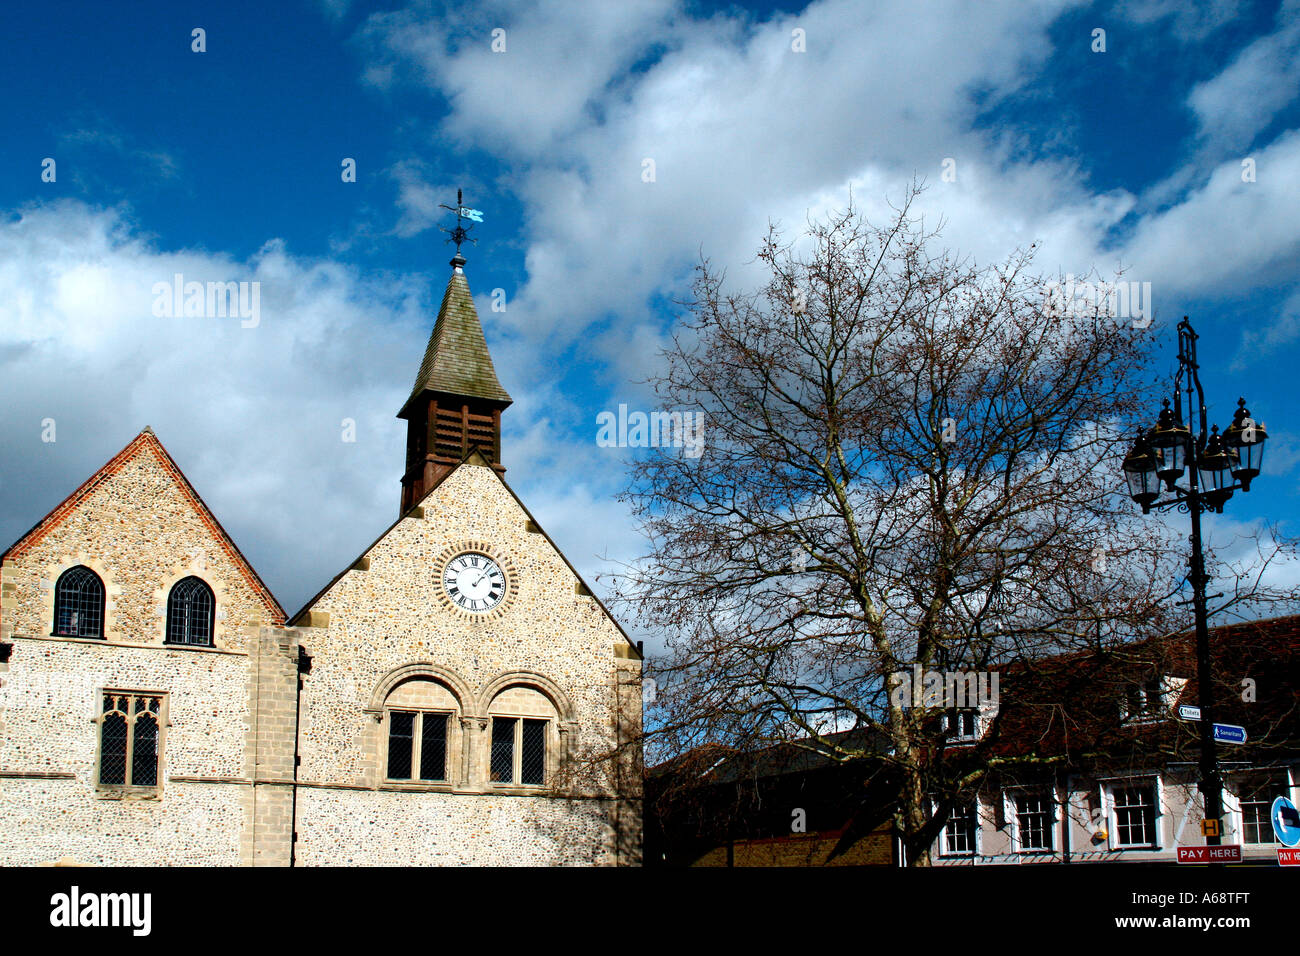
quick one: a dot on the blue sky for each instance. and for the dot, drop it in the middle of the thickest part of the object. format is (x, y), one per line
(225, 165)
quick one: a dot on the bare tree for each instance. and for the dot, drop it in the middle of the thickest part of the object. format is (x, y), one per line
(908, 460)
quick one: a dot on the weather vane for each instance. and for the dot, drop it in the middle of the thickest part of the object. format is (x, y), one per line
(460, 233)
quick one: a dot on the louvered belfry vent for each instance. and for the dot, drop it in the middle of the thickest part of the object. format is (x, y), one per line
(456, 404)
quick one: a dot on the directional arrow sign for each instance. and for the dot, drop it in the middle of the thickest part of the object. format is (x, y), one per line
(1286, 822)
(1229, 733)
(1189, 713)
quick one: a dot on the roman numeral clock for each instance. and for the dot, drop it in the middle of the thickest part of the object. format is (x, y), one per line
(475, 580)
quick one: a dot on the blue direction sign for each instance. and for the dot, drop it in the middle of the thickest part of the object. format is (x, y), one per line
(1286, 822)
(1229, 733)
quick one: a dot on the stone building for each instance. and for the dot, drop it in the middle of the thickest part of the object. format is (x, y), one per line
(457, 695)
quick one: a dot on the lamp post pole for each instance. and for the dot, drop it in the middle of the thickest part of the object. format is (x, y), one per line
(1212, 462)
(1211, 785)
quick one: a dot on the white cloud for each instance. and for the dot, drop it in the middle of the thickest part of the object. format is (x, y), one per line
(1227, 236)
(741, 128)
(417, 199)
(1189, 22)
(529, 97)
(1234, 106)
(737, 124)
(253, 415)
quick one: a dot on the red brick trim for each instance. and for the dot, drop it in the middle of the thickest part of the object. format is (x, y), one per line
(148, 439)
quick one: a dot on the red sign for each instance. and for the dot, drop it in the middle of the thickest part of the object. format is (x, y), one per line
(1288, 856)
(1228, 853)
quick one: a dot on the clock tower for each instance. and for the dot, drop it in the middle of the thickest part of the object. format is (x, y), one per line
(456, 404)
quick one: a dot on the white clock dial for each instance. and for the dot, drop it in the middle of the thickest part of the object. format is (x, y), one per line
(474, 582)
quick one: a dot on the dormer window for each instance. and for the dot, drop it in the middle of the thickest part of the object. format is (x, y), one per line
(1146, 700)
(962, 724)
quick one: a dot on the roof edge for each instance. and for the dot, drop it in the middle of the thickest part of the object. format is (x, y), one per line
(147, 438)
(473, 450)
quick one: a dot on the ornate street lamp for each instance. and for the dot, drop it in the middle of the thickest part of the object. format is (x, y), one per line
(1140, 470)
(1215, 466)
(1245, 438)
(1170, 440)
(1211, 462)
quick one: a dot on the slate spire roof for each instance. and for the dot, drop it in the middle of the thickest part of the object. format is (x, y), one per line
(457, 361)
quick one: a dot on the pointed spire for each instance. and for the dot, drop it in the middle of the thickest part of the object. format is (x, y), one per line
(457, 361)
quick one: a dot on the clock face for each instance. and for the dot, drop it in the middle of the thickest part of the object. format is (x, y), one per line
(474, 582)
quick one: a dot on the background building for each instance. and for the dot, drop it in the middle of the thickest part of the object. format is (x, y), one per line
(1092, 764)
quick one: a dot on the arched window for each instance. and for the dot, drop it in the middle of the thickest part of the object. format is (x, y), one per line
(79, 604)
(190, 612)
(524, 738)
(423, 734)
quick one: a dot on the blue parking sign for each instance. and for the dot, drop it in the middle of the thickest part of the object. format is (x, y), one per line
(1286, 822)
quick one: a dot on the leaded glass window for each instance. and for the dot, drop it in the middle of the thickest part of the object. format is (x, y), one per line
(503, 749)
(519, 750)
(401, 732)
(417, 746)
(532, 753)
(433, 747)
(190, 613)
(79, 604)
(128, 739)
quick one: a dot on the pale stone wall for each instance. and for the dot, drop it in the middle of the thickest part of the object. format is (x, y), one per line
(391, 616)
(351, 828)
(232, 718)
(140, 530)
(141, 533)
(49, 820)
(49, 698)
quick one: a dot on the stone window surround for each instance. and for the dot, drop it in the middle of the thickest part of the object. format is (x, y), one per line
(463, 770)
(516, 752)
(47, 579)
(103, 604)
(122, 791)
(50, 577)
(452, 769)
(172, 609)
